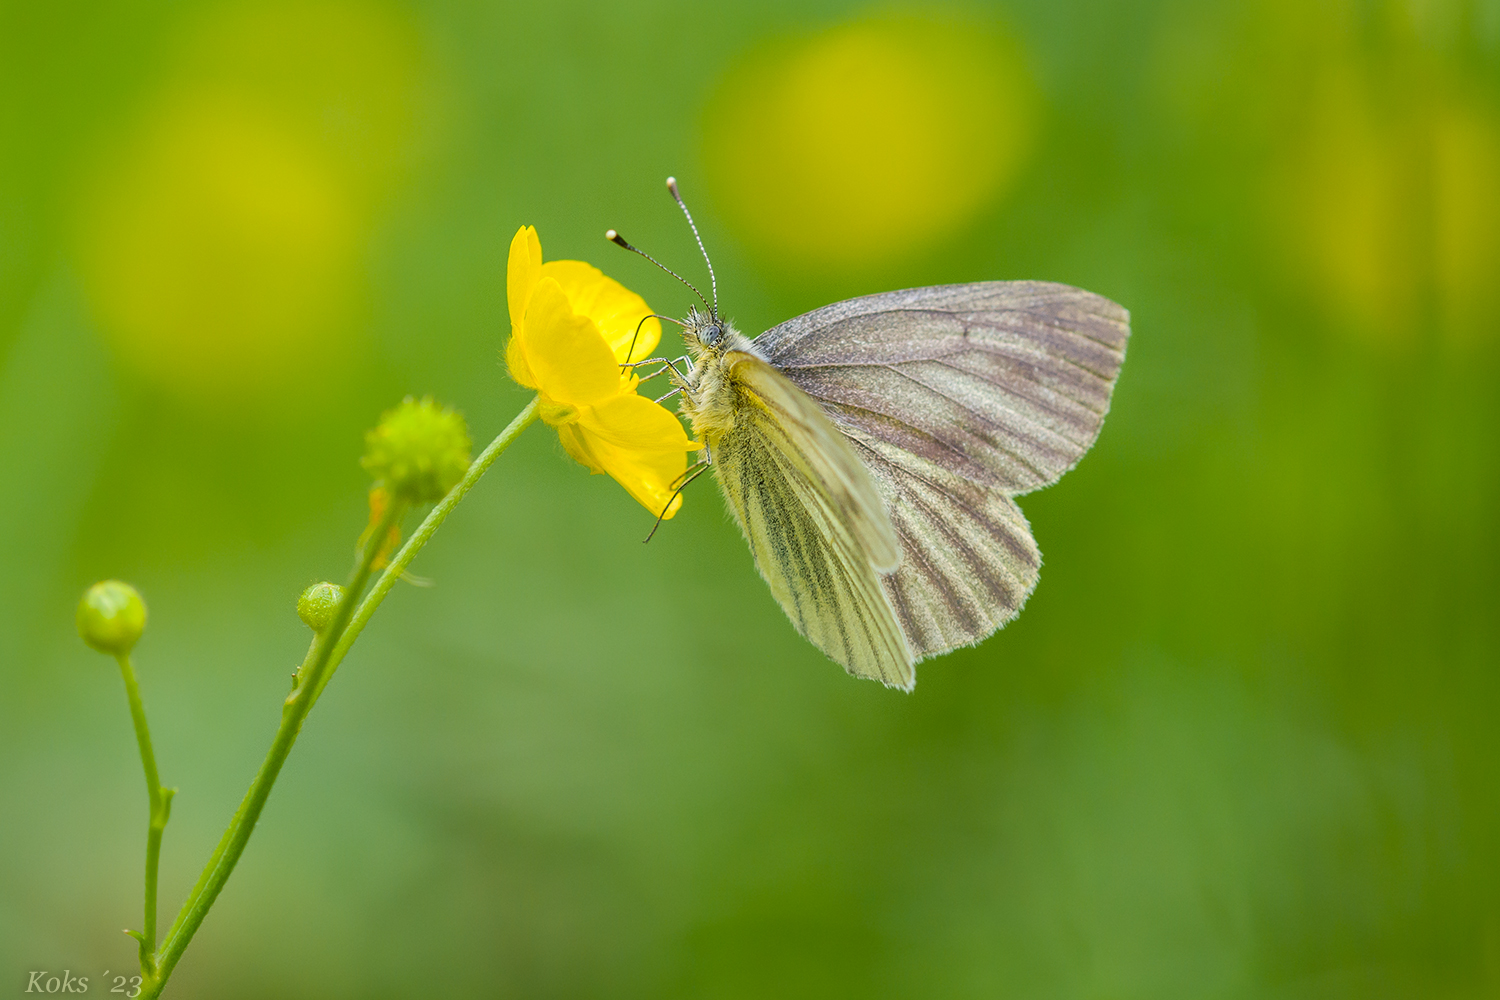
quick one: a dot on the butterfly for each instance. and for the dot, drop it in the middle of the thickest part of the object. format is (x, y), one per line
(872, 450)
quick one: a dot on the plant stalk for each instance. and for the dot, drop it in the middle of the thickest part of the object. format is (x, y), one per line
(424, 532)
(322, 659)
(160, 800)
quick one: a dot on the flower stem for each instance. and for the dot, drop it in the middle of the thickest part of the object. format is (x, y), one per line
(322, 659)
(293, 712)
(160, 808)
(425, 531)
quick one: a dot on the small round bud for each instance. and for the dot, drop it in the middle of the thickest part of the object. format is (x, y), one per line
(419, 451)
(318, 604)
(111, 617)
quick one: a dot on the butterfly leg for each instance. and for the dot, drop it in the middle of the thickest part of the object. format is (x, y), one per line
(636, 336)
(664, 362)
(693, 472)
(665, 365)
(680, 379)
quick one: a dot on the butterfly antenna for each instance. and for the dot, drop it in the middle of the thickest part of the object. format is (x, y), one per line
(619, 240)
(713, 281)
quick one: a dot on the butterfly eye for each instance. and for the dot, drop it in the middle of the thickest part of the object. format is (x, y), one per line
(712, 334)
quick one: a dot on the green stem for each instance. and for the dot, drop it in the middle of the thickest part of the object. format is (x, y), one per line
(293, 712)
(160, 808)
(231, 831)
(321, 661)
(425, 531)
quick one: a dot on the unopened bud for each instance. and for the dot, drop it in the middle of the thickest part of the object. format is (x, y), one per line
(318, 604)
(111, 617)
(419, 451)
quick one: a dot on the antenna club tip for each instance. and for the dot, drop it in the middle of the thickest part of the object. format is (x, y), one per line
(611, 235)
(671, 183)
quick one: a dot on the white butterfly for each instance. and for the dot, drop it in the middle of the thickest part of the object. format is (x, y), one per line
(871, 451)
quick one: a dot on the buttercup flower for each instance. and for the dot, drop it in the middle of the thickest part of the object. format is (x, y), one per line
(571, 330)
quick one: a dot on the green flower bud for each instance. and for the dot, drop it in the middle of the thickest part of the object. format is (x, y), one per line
(111, 617)
(419, 451)
(318, 604)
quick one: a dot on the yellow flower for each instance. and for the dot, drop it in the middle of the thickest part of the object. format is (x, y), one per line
(571, 330)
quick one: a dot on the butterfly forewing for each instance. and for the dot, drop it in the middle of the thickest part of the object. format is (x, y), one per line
(957, 397)
(1004, 383)
(815, 520)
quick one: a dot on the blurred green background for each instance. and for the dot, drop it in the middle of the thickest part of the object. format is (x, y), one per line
(1242, 742)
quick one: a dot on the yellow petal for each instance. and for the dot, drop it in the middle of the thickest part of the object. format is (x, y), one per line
(654, 479)
(570, 361)
(642, 445)
(576, 444)
(521, 273)
(515, 361)
(651, 477)
(639, 424)
(615, 309)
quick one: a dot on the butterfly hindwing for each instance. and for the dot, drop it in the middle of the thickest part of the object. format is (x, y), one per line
(815, 520)
(969, 561)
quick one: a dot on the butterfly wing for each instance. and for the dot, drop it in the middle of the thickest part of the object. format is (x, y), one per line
(957, 397)
(969, 559)
(815, 521)
(1005, 383)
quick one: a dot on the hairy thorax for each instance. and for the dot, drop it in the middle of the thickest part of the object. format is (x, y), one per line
(710, 398)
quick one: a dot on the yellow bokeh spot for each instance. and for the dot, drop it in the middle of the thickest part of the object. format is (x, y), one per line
(222, 230)
(1466, 218)
(1390, 211)
(221, 255)
(348, 73)
(870, 141)
(1342, 198)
